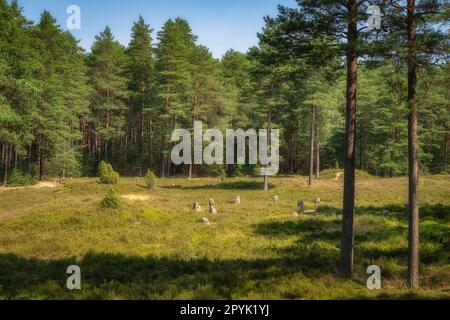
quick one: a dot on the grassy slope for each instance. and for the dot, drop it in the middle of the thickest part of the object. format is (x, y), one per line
(159, 249)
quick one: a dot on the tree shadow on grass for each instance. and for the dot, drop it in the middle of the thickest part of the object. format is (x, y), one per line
(287, 228)
(436, 212)
(103, 275)
(377, 241)
(237, 185)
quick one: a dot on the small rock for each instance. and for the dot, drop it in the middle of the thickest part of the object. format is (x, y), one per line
(237, 200)
(276, 198)
(295, 215)
(317, 200)
(206, 221)
(196, 207)
(386, 213)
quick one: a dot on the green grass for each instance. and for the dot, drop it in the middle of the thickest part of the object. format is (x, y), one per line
(155, 247)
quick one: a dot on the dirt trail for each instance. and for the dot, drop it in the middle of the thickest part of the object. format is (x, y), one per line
(39, 185)
(135, 197)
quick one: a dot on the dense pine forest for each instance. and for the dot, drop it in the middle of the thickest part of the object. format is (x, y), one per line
(63, 110)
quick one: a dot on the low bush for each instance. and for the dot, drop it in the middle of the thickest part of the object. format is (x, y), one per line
(150, 180)
(18, 178)
(107, 174)
(111, 200)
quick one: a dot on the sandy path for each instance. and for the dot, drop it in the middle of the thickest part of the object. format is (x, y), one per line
(39, 185)
(135, 197)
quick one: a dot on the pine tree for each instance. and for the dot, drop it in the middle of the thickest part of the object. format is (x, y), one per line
(107, 67)
(411, 22)
(142, 75)
(62, 85)
(316, 30)
(174, 51)
(18, 90)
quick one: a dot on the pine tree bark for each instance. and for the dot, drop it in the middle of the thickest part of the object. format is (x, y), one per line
(141, 140)
(317, 159)
(269, 142)
(413, 158)
(162, 164)
(446, 143)
(311, 146)
(190, 171)
(5, 165)
(347, 240)
(150, 141)
(41, 166)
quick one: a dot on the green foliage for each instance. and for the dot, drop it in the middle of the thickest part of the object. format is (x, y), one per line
(65, 164)
(141, 74)
(107, 174)
(107, 75)
(212, 171)
(150, 179)
(18, 178)
(111, 200)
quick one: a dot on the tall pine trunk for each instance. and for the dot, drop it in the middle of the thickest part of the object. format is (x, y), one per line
(191, 165)
(5, 164)
(347, 240)
(269, 143)
(190, 171)
(317, 159)
(41, 166)
(446, 144)
(162, 166)
(413, 158)
(311, 146)
(141, 140)
(150, 140)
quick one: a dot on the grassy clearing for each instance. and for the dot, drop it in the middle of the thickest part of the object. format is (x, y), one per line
(155, 247)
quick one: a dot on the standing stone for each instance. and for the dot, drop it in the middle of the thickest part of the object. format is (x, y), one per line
(276, 198)
(386, 213)
(196, 207)
(301, 207)
(317, 200)
(212, 206)
(206, 221)
(237, 200)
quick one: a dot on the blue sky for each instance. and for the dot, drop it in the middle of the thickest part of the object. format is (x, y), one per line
(219, 24)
